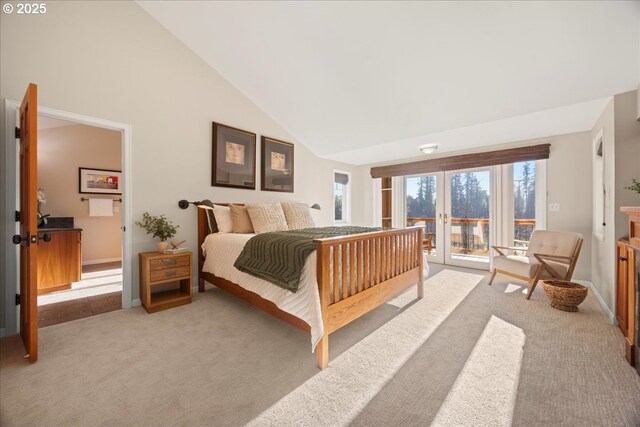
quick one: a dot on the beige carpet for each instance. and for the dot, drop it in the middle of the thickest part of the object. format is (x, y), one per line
(220, 362)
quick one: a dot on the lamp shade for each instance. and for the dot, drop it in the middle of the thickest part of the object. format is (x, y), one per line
(205, 204)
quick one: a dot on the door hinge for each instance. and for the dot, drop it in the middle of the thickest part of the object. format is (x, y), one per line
(17, 132)
(17, 299)
(18, 216)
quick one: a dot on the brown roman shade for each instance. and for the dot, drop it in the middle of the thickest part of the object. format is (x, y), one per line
(341, 178)
(464, 161)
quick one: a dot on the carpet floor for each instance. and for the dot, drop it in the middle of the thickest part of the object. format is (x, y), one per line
(467, 354)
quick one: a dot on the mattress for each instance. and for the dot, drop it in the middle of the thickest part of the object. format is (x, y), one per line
(221, 251)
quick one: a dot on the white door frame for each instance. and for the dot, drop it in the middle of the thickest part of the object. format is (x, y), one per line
(10, 166)
(448, 257)
(401, 199)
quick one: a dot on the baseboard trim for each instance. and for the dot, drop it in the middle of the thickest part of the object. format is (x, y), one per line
(594, 290)
(101, 261)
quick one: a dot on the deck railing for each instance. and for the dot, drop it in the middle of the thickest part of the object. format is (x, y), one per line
(471, 235)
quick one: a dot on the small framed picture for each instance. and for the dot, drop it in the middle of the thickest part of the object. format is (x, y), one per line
(99, 181)
(234, 157)
(277, 165)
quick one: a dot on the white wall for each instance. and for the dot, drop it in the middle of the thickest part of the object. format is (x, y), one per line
(61, 151)
(627, 160)
(111, 60)
(569, 177)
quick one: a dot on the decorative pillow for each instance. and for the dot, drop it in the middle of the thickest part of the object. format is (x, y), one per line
(240, 219)
(267, 217)
(223, 219)
(298, 215)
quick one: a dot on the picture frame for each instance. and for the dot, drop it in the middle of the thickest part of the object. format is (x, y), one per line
(233, 157)
(277, 165)
(99, 181)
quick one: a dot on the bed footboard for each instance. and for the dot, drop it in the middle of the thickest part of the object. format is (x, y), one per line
(358, 273)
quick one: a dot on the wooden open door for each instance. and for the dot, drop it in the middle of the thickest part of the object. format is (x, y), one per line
(28, 237)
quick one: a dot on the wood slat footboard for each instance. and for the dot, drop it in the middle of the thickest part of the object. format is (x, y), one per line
(358, 273)
(355, 274)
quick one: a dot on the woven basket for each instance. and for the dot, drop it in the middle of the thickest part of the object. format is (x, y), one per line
(563, 295)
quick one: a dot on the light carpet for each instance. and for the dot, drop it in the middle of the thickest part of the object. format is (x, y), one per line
(220, 362)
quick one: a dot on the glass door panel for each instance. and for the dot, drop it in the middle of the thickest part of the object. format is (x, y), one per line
(524, 202)
(468, 218)
(422, 208)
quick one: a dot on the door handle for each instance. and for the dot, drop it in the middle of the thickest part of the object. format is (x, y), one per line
(18, 239)
(623, 259)
(46, 237)
(439, 218)
(446, 218)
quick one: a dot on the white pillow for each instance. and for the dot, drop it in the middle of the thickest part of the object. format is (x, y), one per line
(223, 218)
(267, 217)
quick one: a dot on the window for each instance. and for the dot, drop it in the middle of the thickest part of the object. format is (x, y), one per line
(524, 201)
(341, 196)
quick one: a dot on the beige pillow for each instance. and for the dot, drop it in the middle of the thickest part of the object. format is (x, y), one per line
(267, 217)
(240, 219)
(298, 215)
(223, 218)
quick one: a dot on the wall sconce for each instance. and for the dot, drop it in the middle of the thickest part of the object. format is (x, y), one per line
(315, 206)
(203, 204)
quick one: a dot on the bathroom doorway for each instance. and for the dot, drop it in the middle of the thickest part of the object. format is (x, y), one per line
(79, 208)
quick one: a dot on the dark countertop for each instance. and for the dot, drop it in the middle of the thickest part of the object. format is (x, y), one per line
(45, 230)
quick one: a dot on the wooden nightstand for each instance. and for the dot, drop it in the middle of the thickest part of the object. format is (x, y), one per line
(158, 269)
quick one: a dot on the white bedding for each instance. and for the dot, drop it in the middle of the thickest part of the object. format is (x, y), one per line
(221, 251)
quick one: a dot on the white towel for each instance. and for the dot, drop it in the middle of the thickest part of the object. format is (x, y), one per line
(100, 207)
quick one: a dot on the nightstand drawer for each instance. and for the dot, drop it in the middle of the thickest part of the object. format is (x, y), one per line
(159, 264)
(170, 273)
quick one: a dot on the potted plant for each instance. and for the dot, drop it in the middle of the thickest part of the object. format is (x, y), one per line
(159, 227)
(42, 199)
(635, 186)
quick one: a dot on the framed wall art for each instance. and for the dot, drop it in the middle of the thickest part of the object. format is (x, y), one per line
(234, 157)
(277, 165)
(99, 181)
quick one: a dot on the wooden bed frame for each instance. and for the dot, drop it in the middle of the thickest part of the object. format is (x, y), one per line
(363, 270)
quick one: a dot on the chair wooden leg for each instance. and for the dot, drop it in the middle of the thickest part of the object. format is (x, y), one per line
(532, 286)
(493, 275)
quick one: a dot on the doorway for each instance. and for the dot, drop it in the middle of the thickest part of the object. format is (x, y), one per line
(465, 212)
(79, 171)
(12, 200)
(456, 210)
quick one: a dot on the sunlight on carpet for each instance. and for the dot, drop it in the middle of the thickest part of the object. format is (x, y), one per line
(337, 394)
(92, 284)
(512, 288)
(485, 391)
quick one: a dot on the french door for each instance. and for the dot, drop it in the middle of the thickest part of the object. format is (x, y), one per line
(468, 225)
(456, 209)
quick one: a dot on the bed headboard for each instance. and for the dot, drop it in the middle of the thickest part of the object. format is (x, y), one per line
(203, 229)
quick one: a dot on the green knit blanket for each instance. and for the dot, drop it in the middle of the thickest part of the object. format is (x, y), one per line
(278, 257)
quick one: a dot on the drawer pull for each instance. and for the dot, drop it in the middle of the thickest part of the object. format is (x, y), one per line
(170, 273)
(171, 262)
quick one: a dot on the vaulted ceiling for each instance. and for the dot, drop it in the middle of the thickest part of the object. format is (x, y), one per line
(370, 81)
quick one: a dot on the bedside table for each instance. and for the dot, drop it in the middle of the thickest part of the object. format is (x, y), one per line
(158, 269)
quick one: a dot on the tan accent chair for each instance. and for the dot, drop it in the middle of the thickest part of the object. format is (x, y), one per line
(550, 255)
